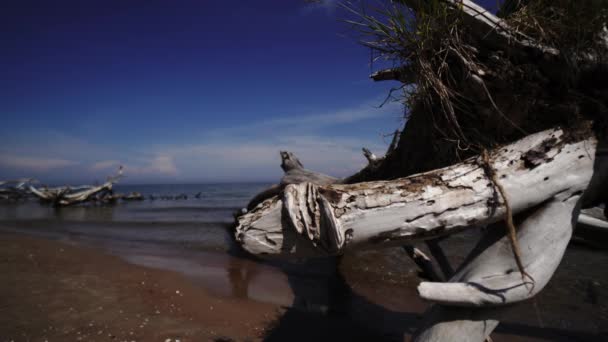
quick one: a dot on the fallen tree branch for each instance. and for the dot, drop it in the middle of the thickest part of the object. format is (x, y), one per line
(423, 262)
(402, 74)
(291, 164)
(308, 220)
(294, 173)
(488, 27)
(489, 276)
(64, 196)
(442, 260)
(15, 189)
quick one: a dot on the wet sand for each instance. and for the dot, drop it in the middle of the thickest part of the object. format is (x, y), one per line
(59, 291)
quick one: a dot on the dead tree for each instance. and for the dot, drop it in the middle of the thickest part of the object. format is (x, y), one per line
(13, 190)
(543, 176)
(507, 123)
(67, 195)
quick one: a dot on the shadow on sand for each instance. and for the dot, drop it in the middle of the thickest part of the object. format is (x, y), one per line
(325, 308)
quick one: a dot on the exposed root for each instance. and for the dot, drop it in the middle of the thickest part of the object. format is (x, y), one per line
(512, 231)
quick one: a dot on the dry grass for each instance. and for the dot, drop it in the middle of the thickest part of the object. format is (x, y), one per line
(430, 43)
(446, 61)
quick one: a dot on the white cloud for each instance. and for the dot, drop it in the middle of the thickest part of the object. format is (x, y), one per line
(350, 115)
(258, 159)
(163, 165)
(327, 6)
(328, 142)
(34, 164)
(310, 124)
(160, 165)
(104, 165)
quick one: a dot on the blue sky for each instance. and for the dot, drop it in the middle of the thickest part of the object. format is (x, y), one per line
(184, 91)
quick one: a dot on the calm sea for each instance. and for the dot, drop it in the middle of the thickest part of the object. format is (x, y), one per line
(196, 222)
(189, 236)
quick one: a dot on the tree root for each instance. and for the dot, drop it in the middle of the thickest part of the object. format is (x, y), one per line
(512, 231)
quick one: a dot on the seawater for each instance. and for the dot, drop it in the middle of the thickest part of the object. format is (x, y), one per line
(198, 223)
(191, 237)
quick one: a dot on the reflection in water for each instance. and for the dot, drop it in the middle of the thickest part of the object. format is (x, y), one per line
(240, 275)
(189, 237)
(85, 214)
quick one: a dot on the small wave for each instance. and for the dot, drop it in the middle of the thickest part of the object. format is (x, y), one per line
(42, 224)
(191, 234)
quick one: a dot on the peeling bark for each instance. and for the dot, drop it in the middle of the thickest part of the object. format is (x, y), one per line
(334, 218)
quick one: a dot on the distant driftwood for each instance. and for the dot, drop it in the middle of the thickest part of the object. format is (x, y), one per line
(67, 195)
(13, 190)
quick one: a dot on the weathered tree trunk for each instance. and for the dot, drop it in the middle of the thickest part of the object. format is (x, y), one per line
(543, 178)
(489, 275)
(307, 219)
(15, 189)
(504, 87)
(64, 196)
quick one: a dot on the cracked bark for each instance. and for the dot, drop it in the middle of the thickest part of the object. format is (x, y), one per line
(308, 220)
(314, 220)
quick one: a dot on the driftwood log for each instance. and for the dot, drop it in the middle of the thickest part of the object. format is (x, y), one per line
(544, 177)
(17, 189)
(491, 84)
(67, 195)
(324, 220)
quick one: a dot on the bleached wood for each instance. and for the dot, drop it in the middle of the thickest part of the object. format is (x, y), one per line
(334, 218)
(15, 189)
(65, 195)
(296, 173)
(593, 221)
(442, 323)
(488, 27)
(492, 276)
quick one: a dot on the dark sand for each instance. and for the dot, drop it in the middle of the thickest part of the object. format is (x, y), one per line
(58, 292)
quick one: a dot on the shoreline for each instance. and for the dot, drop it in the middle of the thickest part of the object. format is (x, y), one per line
(57, 290)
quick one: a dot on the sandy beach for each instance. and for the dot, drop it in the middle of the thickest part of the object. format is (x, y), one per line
(57, 292)
(53, 291)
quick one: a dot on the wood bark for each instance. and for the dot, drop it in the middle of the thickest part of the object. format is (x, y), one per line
(311, 220)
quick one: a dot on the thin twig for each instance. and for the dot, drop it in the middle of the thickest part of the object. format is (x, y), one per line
(512, 231)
